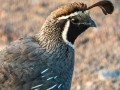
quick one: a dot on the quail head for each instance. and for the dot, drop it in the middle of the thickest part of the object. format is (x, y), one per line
(69, 21)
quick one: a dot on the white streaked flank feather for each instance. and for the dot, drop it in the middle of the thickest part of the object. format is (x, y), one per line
(59, 85)
(37, 86)
(55, 77)
(42, 76)
(50, 78)
(44, 71)
(52, 87)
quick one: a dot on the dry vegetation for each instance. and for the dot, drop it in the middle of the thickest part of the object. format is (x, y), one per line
(95, 50)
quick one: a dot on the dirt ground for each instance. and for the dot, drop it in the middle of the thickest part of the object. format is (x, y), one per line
(97, 51)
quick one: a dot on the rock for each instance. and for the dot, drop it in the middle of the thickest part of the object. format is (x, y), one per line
(109, 74)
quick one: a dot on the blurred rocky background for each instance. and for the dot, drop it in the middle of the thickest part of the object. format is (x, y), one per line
(97, 54)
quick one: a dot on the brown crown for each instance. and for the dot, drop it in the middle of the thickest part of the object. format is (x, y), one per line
(68, 9)
(106, 6)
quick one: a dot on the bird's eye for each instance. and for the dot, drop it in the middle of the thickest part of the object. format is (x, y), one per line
(75, 20)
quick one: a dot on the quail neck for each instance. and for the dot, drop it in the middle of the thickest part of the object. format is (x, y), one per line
(59, 53)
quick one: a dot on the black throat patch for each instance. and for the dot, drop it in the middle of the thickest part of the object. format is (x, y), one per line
(74, 31)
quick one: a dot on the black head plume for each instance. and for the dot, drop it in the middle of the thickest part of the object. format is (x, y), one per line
(106, 6)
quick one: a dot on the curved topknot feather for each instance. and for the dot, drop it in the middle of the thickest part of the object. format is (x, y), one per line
(106, 6)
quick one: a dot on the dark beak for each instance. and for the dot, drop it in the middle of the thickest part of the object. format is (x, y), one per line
(92, 23)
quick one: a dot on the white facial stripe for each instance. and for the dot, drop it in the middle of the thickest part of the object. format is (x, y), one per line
(72, 14)
(64, 34)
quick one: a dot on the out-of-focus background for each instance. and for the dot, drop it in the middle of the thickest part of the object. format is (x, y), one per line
(97, 54)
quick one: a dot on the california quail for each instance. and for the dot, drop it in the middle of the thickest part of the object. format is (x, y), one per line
(45, 61)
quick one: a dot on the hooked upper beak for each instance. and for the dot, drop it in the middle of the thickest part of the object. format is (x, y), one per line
(92, 23)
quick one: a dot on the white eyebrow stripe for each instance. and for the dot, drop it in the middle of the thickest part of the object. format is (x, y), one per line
(52, 87)
(50, 78)
(67, 16)
(44, 71)
(37, 86)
